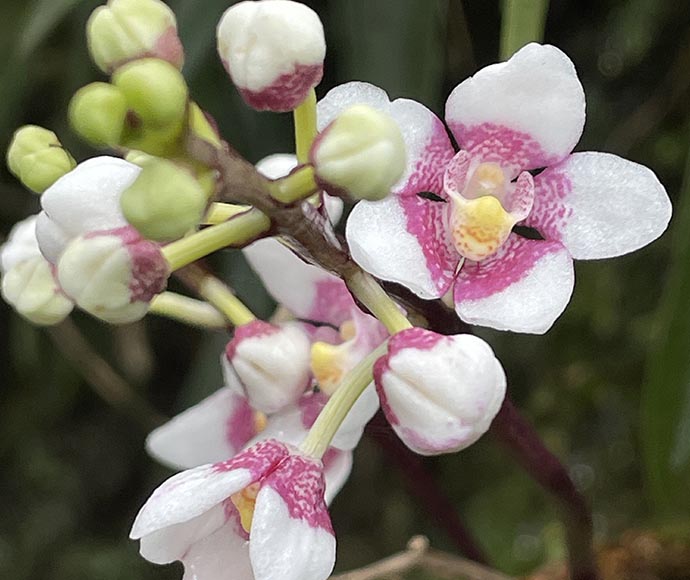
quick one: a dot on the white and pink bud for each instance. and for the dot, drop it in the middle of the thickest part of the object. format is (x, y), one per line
(87, 199)
(113, 274)
(439, 393)
(273, 50)
(271, 362)
(261, 514)
(28, 281)
(126, 30)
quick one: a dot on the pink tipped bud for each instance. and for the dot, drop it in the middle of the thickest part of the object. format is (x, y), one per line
(273, 50)
(272, 363)
(439, 393)
(113, 274)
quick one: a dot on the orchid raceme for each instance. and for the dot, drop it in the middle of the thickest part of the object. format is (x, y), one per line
(261, 515)
(509, 118)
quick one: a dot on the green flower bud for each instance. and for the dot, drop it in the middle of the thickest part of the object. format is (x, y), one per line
(126, 30)
(37, 158)
(98, 113)
(164, 202)
(361, 154)
(156, 92)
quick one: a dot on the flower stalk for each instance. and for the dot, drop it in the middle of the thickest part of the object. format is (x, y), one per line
(187, 310)
(333, 414)
(305, 126)
(522, 22)
(374, 297)
(300, 184)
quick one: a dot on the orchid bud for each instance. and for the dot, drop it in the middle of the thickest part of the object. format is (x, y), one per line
(439, 393)
(113, 274)
(98, 112)
(28, 283)
(273, 50)
(126, 30)
(155, 90)
(165, 201)
(361, 154)
(85, 200)
(37, 158)
(272, 363)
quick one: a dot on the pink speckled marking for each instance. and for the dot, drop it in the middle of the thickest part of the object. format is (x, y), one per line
(168, 47)
(259, 459)
(520, 198)
(149, 269)
(299, 481)
(310, 406)
(332, 302)
(417, 338)
(381, 366)
(426, 222)
(512, 263)
(287, 92)
(549, 214)
(455, 175)
(240, 426)
(503, 145)
(253, 329)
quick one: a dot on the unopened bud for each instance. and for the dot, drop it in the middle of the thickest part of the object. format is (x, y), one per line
(155, 91)
(37, 158)
(272, 363)
(125, 30)
(85, 200)
(361, 154)
(439, 393)
(273, 50)
(113, 275)
(164, 202)
(28, 283)
(98, 113)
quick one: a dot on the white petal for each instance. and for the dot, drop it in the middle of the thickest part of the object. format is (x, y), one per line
(282, 547)
(222, 555)
(213, 430)
(308, 291)
(87, 199)
(402, 239)
(599, 205)
(187, 495)
(350, 431)
(277, 165)
(21, 244)
(337, 467)
(530, 108)
(524, 287)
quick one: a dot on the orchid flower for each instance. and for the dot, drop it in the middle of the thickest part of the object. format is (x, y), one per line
(508, 119)
(259, 515)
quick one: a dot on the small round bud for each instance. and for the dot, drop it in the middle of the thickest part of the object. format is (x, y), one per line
(361, 154)
(28, 283)
(37, 158)
(272, 363)
(113, 275)
(155, 91)
(164, 202)
(126, 30)
(273, 50)
(85, 200)
(439, 393)
(98, 113)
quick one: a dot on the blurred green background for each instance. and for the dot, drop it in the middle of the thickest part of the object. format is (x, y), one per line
(608, 386)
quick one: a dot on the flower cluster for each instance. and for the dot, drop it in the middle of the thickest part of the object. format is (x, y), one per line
(266, 453)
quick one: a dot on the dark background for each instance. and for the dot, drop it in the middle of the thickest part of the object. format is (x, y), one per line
(608, 386)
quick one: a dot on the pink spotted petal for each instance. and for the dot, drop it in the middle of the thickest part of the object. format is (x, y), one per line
(308, 291)
(212, 557)
(599, 205)
(519, 200)
(524, 287)
(213, 430)
(426, 141)
(291, 536)
(527, 112)
(403, 239)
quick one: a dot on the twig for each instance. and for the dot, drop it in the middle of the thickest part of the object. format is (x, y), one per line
(422, 484)
(419, 555)
(102, 378)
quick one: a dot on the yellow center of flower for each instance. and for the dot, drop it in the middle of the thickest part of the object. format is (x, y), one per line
(478, 222)
(329, 362)
(245, 501)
